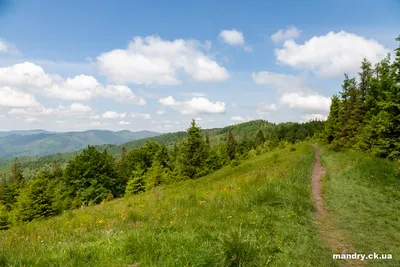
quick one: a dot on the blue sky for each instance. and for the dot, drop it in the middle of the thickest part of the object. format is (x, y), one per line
(77, 65)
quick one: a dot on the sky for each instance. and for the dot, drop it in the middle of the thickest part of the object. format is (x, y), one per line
(155, 65)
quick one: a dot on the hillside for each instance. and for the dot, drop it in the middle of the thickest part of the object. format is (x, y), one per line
(42, 143)
(247, 130)
(257, 213)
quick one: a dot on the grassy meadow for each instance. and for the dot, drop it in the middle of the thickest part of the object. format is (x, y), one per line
(362, 193)
(258, 213)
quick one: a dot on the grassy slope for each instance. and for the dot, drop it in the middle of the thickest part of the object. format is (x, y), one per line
(259, 212)
(363, 194)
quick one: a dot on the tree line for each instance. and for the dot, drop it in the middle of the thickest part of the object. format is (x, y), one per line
(95, 175)
(366, 113)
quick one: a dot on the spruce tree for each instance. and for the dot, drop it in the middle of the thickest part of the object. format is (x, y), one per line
(193, 154)
(333, 123)
(230, 145)
(16, 178)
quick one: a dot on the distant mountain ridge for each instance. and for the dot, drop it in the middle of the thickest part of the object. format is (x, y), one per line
(42, 143)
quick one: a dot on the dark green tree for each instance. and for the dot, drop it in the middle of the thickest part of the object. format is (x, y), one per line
(230, 145)
(92, 175)
(16, 177)
(333, 124)
(193, 156)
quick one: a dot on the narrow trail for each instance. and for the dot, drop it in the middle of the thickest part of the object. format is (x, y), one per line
(328, 231)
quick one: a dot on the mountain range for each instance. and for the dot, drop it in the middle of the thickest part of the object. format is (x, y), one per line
(42, 143)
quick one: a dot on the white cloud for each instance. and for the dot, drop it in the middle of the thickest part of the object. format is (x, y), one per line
(241, 118)
(285, 34)
(294, 91)
(124, 123)
(194, 94)
(30, 77)
(152, 60)
(266, 107)
(24, 75)
(8, 48)
(232, 37)
(113, 115)
(281, 82)
(313, 116)
(238, 118)
(140, 116)
(332, 54)
(13, 98)
(198, 105)
(116, 115)
(303, 101)
(75, 109)
(160, 112)
(198, 119)
(32, 120)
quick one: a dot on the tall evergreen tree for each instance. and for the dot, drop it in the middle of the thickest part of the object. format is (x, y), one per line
(16, 178)
(193, 153)
(230, 145)
(332, 125)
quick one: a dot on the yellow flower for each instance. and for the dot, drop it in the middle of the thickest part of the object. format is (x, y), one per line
(171, 222)
(200, 202)
(38, 237)
(229, 217)
(253, 223)
(67, 223)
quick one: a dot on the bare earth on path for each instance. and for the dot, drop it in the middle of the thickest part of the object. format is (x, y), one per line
(330, 234)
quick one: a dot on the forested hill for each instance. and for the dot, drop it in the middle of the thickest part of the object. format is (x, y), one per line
(243, 132)
(42, 143)
(289, 131)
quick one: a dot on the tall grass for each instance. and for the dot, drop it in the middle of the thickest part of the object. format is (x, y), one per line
(363, 194)
(258, 213)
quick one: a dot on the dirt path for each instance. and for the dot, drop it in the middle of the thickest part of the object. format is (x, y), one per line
(329, 233)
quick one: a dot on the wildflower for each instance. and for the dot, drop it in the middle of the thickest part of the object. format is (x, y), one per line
(253, 223)
(67, 223)
(229, 217)
(200, 202)
(171, 222)
(38, 237)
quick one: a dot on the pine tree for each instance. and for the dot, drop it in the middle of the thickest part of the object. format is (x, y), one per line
(333, 123)
(350, 121)
(16, 178)
(162, 156)
(230, 145)
(193, 156)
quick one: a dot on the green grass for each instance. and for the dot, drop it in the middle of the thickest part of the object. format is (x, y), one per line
(256, 214)
(363, 194)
